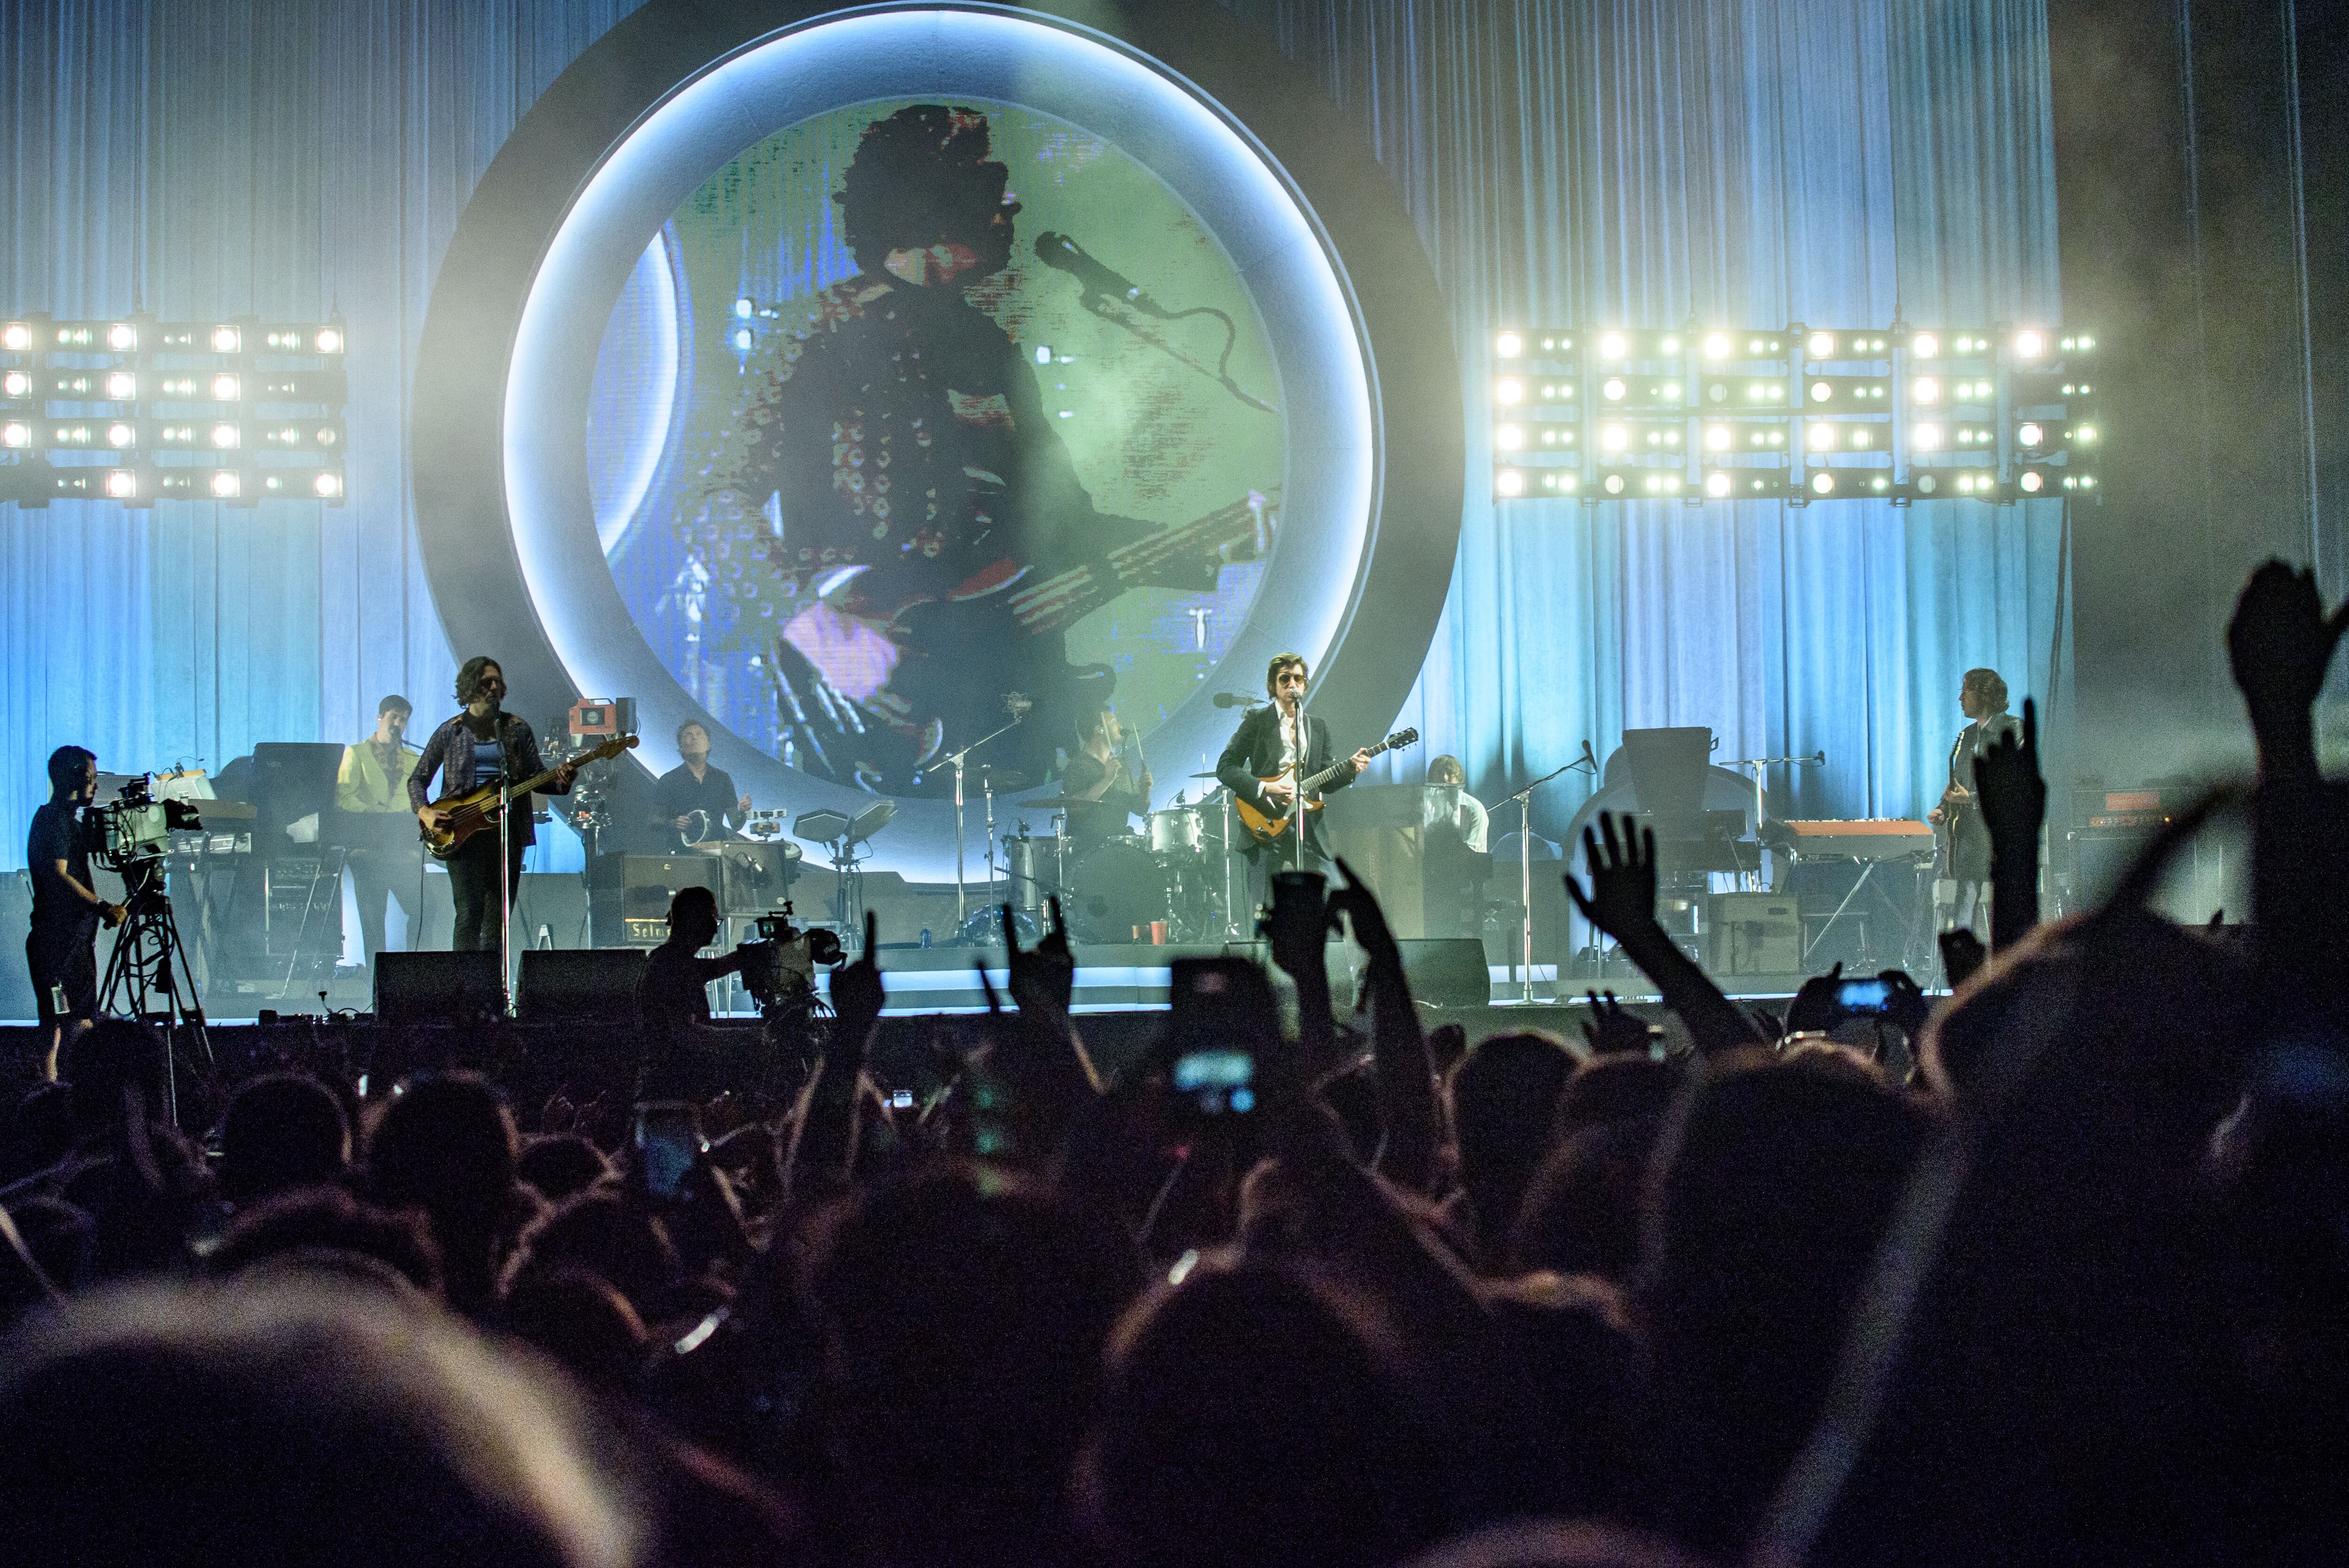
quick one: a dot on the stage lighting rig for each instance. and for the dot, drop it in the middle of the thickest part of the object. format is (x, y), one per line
(133, 409)
(1802, 413)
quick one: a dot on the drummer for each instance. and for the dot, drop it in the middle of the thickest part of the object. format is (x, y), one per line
(1099, 773)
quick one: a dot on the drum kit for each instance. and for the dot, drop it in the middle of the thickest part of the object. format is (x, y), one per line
(1172, 882)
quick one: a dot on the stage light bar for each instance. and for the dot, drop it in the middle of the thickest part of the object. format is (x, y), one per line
(1805, 412)
(235, 410)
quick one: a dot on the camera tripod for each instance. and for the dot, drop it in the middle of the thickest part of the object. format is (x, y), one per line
(151, 961)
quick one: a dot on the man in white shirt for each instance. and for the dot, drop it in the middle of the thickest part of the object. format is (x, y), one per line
(1468, 816)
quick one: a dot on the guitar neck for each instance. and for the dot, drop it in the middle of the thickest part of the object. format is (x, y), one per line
(1339, 767)
(1067, 597)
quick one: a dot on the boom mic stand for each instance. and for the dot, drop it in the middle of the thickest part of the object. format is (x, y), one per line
(1524, 804)
(1019, 711)
(1817, 759)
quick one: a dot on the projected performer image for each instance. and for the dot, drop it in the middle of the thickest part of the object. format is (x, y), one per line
(930, 533)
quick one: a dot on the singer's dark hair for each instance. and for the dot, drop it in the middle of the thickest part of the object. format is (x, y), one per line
(1988, 685)
(920, 175)
(395, 703)
(1093, 721)
(1279, 662)
(469, 676)
(690, 724)
(66, 764)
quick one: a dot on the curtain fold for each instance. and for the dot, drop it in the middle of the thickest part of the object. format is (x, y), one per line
(1631, 160)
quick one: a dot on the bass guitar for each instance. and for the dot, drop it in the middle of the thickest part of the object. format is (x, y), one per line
(464, 815)
(1267, 829)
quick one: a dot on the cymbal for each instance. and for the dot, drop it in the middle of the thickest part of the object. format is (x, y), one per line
(1004, 779)
(1203, 775)
(1056, 803)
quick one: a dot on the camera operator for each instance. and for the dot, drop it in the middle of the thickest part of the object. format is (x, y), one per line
(61, 950)
(673, 996)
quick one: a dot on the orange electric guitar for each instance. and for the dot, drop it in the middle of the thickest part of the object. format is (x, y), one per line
(466, 814)
(1266, 829)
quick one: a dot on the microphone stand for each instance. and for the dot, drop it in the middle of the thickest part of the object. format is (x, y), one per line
(962, 887)
(505, 872)
(1523, 799)
(1817, 759)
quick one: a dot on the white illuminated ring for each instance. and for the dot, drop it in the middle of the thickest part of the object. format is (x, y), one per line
(1240, 196)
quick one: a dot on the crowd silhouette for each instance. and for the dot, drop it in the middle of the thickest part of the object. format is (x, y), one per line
(2049, 1270)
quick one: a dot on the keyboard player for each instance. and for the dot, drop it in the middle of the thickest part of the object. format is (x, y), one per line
(377, 826)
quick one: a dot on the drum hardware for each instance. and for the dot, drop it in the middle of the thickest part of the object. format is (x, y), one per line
(842, 835)
(1017, 706)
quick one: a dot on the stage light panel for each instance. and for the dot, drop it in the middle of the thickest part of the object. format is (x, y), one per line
(225, 388)
(17, 337)
(2031, 481)
(1613, 389)
(16, 435)
(225, 437)
(1924, 345)
(1718, 437)
(2030, 344)
(1717, 483)
(1508, 344)
(1508, 391)
(1509, 482)
(123, 386)
(122, 337)
(1614, 437)
(1821, 346)
(226, 339)
(2030, 434)
(1716, 345)
(2085, 436)
(122, 484)
(120, 435)
(1925, 390)
(1823, 483)
(225, 483)
(1925, 437)
(1824, 437)
(1614, 345)
(1614, 484)
(1509, 438)
(16, 384)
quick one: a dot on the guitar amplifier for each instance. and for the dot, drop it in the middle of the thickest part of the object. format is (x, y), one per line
(628, 895)
(1755, 933)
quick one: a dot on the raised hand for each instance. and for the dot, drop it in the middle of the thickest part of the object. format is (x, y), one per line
(1044, 978)
(1622, 896)
(1361, 907)
(2013, 795)
(856, 989)
(1962, 955)
(2280, 642)
(1614, 1030)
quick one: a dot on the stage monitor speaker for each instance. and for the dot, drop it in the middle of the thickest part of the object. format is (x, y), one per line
(1755, 933)
(566, 985)
(436, 988)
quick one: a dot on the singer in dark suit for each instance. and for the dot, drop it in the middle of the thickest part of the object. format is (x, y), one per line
(1265, 745)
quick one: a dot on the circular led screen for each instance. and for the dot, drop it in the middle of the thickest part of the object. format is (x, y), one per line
(907, 385)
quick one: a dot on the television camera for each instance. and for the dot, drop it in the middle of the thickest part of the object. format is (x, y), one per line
(779, 964)
(134, 830)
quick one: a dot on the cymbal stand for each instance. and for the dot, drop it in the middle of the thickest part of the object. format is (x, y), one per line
(1523, 799)
(962, 911)
(986, 793)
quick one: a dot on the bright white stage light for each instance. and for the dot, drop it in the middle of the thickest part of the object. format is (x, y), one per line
(2030, 435)
(2086, 435)
(119, 435)
(1717, 438)
(225, 388)
(1924, 345)
(1612, 345)
(122, 484)
(16, 384)
(1614, 484)
(1509, 346)
(122, 337)
(1716, 345)
(225, 483)
(1925, 390)
(1716, 483)
(1509, 482)
(2029, 345)
(15, 436)
(224, 436)
(1823, 437)
(1823, 482)
(1509, 438)
(2030, 481)
(1614, 437)
(226, 340)
(1613, 390)
(16, 338)
(1821, 346)
(1508, 390)
(121, 386)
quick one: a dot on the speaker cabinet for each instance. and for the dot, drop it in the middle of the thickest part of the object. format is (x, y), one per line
(595, 983)
(436, 988)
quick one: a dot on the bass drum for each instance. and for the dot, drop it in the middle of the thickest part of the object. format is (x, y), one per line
(1119, 888)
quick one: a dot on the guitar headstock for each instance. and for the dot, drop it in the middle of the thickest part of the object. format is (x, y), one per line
(614, 746)
(1399, 738)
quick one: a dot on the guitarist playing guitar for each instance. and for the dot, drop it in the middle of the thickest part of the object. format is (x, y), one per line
(1962, 888)
(482, 745)
(1267, 746)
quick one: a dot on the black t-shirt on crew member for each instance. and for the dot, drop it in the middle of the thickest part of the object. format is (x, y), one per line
(679, 792)
(1091, 824)
(57, 836)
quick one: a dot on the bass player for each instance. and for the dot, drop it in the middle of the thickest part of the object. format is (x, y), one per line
(482, 745)
(1267, 746)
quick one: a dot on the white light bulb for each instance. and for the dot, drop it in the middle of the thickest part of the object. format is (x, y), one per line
(224, 436)
(1508, 390)
(225, 483)
(119, 435)
(1718, 436)
(1510, 482)
(1821, 346)
(122, 385)
(1613, 390)
(2030, 481)
(122, 337)
(1823, 437)
(122, 484)
(1926, 390)
(1824, 483)
(224, 389)
(1924, 345)
(2030, 435)
(1509, 438)
(1614, 437)
(1716, 483)
(224, 340)
(16, 384)
(1509, 346)
(2029, 345)
(1612, 345)
(1716, 345)
(16, 338)
(1614, 484)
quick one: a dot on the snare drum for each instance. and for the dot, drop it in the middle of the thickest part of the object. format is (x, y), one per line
(1119, 888)
(1176, 830)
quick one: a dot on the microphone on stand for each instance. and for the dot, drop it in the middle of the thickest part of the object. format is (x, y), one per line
(1234, 699)
(1587, 757)
(1061, 251)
